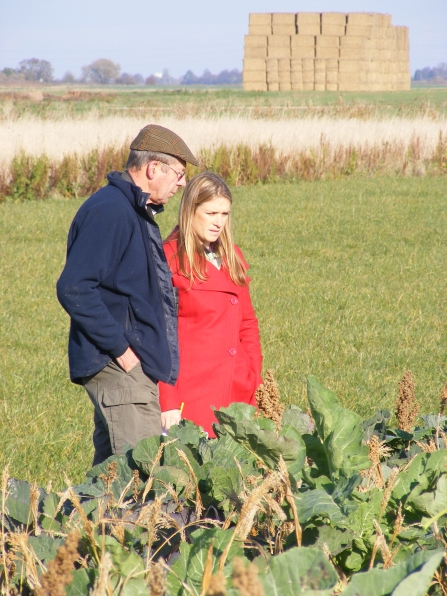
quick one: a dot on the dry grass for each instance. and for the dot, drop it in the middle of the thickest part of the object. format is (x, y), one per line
(64, 136)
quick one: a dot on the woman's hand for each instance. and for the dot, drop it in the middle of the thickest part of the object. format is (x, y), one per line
(169, 418)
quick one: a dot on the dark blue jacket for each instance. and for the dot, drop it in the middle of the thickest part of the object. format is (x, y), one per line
(116, 285)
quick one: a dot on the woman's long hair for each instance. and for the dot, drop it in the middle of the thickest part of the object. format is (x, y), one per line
(190, 251)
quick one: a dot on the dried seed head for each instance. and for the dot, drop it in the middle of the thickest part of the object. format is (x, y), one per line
(268, 400)
(246, 579)
(102, 582)
(135, 485)
(443, 400)
(251, 506)
(108, 479)
(59, 571)
(406, 405)
(429, 447)
(34, 506)
(157, 579)
(217, 585)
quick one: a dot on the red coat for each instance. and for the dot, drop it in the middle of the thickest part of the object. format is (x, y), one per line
(220, 351)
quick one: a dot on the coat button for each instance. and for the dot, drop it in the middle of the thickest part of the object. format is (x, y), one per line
(234, 300)
(232, 351)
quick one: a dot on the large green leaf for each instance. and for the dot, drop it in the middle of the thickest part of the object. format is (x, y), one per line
(361, 520)
(421, 474)
(124, 562)
(317, 503)
(263, 444)
(124, 475)
(300, 420)
(145, 453)
(190, 565)
(226, 483)
(18, 501)
(340, 431)
(83, 581)
(300, 572)
(433, 502)
(383, 582)
(45, 547)
(187, 433)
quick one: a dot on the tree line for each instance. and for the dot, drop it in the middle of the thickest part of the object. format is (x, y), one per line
(438, 74)
(106, 72)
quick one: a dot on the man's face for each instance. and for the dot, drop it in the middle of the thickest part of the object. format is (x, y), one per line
(164, 182)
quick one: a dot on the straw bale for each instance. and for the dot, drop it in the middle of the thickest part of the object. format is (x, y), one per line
(332, 77)
(308, 85)
(254, 76)
(272, 77)
(349, 85)
(297, 86)
(284, 29)
(326, 52)
(309, 30)
(320, 86)
(255, 41)
(333, 18)
(254, 64)
(308, 65)
(260, 18)
(360, 18)
(284, 18)
(278, 41)
(386, 55)
(296, 64)
(259, 29)
(281, 52)
(351, 54)
(375, 65)
(303, 52)
(255, 52)
(331, 86)
(272, 65)
(333, 29)
(352, 41)
(285, 86)
(358, 30)
(320, 77)
(255, 86)
(320, 64)
(349, 66)
(284, 65)
(332, 65)
(327, 41)
(284, 77)
(305, 41)
(273, 86)
(381, 20)
(307, 79)
(296, 76)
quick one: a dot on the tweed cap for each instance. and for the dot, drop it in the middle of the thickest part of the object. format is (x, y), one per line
(157, 138)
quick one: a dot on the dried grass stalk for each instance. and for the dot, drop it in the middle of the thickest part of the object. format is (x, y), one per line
(251, 506)
(59, 572)
(246, 579)
(406, 406)
(268, 400)
(199, 504)
(157, 579)
(102, 582)
(19, 544)
(443, 400)
(34, 507)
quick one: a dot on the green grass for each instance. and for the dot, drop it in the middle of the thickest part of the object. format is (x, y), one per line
(110, 99)
(348, 283)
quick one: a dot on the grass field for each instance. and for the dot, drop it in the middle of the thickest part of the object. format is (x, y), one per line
(348, 283)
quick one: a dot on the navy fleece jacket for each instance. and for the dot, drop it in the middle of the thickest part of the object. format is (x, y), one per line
(116, 285)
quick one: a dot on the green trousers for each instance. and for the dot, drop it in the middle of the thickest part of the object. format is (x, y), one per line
(126, 409)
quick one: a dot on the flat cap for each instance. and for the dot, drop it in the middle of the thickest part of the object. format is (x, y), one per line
(157, 138)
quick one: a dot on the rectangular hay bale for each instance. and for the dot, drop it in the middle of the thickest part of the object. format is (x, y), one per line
(302, 52)
(273, 86)
(349, 66)
(254, 76)
(255, 86)
(278, 52)
(333, 30)
(331, 86)
(297, 85)
(284, 18)
(319, 65)
(284, 65)
(259, 29)
(278, 41)
(283, 29)
(254, 64)
(272, 77)
(320, 86)
(332, 65)
(332, 77)
(352, 41)
(272, 65)
(308, 64)
(308, 85)
(360, 19)
(255, 41)
(296, 76)
(325, 52)
(285, 86)
(255, 52)
(351, 54)
(308, 23)
(327, 41)
(333, 18)
(260, 18)
(303, 41)
(358, 30)
(320, 78)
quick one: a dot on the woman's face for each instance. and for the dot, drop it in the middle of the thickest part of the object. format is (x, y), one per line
(210, 219)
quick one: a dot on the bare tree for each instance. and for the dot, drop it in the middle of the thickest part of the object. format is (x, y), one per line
(36, 70)
(102, 71)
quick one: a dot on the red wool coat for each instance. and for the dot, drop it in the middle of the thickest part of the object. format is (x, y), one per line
(220, 351)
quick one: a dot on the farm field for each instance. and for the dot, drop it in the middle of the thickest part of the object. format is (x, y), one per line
(348, 283)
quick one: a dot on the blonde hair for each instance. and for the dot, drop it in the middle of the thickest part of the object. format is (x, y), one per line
(190, 251)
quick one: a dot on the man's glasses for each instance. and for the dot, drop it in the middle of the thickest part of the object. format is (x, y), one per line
(178, 174)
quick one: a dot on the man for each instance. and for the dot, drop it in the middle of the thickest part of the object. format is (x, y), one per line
(116, 287)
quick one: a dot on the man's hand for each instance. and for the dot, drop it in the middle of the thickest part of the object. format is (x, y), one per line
(128, 360)
(169, 418)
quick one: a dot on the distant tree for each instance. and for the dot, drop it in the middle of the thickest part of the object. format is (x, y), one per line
(151, 80)
(68, 77)
(36, 70)
(226, 77)
(126, 79)
(189, 78)
(102, 71)
(438, 73)
(139, 79)
(9, 71)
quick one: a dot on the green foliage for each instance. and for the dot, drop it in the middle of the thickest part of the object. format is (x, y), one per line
(133, 509)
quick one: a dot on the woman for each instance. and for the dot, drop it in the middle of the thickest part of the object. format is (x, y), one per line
(220, 352)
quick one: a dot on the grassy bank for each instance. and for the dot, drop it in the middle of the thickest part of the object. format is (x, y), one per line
(348, 283)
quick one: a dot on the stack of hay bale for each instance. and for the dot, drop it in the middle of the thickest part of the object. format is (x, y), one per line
(325, 52)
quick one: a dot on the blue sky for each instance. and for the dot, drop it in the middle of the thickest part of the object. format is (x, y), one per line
(146, 36)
